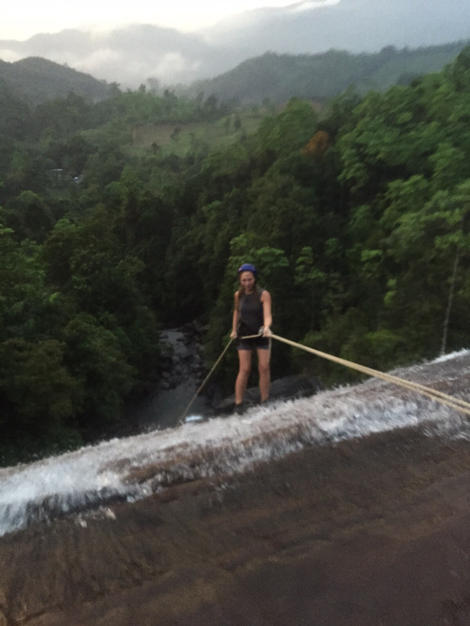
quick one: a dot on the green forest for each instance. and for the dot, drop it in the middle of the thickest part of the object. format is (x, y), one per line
(130, 215)
(277, 77)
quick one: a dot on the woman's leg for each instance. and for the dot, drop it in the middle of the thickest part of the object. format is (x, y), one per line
(244, 358)
(264, 373)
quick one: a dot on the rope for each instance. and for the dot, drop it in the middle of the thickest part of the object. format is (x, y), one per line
(439, 396)
(201, 387)
(434, 394)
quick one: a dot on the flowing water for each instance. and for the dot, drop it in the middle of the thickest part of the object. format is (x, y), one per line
(89, 480)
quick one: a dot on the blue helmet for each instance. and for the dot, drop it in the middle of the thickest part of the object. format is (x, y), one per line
(247, 267)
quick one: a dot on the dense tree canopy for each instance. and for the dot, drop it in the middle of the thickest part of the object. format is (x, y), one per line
(125, 216)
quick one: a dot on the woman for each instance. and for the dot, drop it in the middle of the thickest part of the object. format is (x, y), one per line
(251, 316)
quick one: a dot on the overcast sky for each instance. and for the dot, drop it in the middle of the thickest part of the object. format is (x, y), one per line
(22, 18)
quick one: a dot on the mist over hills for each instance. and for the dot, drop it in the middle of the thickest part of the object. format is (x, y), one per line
(35, 80)
(279, 77)
(271, 76)
(352, 25)
(128, 56)
(131, 55)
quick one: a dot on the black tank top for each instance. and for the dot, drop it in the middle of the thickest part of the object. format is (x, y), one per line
(251, 314)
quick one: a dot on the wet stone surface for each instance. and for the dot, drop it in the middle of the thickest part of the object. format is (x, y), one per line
(373, 530)
(184, 371)
(368, 532)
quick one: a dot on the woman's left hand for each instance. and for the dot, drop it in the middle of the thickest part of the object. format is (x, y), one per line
(267, 331)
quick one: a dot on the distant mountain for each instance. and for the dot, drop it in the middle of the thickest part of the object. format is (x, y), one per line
(352, 25)
(318, 77)
(131, 55)
(35, 80)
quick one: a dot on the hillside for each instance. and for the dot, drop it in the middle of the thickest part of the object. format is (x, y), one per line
(129, 55)
(36, 80)
(133, 214)
(132, 54)
(279, 77)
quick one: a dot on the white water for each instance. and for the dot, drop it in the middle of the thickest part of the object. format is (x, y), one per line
(135, 467)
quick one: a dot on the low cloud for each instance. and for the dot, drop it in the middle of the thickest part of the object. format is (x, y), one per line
(311, 4)
(10, 56)
(117, 67)
(99, 62)
(174, 64)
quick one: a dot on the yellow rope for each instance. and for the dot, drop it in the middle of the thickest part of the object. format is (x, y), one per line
(439, 396)
(201, 387)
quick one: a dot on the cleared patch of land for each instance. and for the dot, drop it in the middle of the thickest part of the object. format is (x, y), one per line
(181, 138)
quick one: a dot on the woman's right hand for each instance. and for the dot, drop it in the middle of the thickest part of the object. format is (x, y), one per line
(233, 334)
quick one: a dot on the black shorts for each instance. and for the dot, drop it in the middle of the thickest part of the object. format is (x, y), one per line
(257, 343)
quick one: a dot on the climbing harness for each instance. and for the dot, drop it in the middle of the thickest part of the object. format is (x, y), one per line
(439, 396)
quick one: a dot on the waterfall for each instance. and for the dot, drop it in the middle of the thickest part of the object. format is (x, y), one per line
(90, 479)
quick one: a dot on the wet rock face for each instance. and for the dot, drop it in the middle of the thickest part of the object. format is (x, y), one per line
(288, 387)
(3, 606)
(372, 529)
(182, 353)
(368, 532)
(184, 371)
